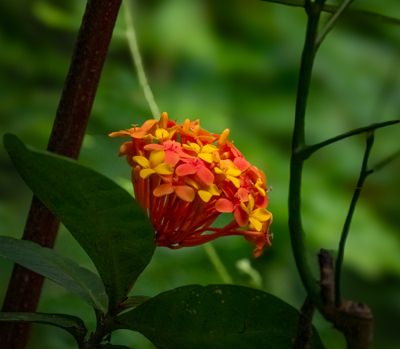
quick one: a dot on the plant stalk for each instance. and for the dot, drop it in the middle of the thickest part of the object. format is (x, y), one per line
(297, 234)
(332, 21)
(66, 138)
(351, 13)
(309, 150)
(346, 227)
(217, 263)
(137, 60)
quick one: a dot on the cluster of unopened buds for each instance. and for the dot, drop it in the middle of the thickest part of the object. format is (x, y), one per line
(185, 177)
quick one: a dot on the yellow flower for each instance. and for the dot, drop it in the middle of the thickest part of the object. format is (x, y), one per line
(258, 216)
(205, 192)
(155, 164)
(203, 152)
(228, 169)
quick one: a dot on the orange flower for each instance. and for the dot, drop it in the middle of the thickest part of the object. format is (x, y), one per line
(185, 177)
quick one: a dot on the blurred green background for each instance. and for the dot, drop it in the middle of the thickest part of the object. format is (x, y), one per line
(233, 64)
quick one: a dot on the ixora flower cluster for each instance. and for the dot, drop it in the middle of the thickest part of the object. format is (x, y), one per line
(185, 177)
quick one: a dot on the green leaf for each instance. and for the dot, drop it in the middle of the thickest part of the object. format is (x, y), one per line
(57, 268)
(113, 346)
(71, 324)
(133, 302)
(105, 220)
(215, 317)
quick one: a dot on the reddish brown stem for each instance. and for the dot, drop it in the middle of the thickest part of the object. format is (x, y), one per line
(66, 138)
(354, 319)
(304, 326)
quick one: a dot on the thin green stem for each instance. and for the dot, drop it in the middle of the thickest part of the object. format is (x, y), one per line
(385, 162)
(217, 263)
(297, 234)
(303, 87)
(135, 52)
(346, 227)
(331, 22)
(137, 60)
(103, 329)
(351, 12)
(307, 151)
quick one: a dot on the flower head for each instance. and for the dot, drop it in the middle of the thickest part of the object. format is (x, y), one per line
(185, 177)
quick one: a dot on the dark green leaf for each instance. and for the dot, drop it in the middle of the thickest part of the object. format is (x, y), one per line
(103, 218)
(72, 324)
(133, 302)
(113, 346)
(53, 266)
(215, 317)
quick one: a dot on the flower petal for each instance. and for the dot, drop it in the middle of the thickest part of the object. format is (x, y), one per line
(260, 239)
(163, 189)
(243, 194)
(185, 170)
(153, 146)
(162, 133)
(148, 124)
(125, 148)
(171, 158)
(157, 157)
(164, 169)
(142, 131)
(241, 163)
(122, 133)
(206, 157)
(142, 161)
(255, 223)
(241, 217)
(217, 170)
(192, 147)
(261, 214)
(208, 148)
(235, 181)
(213, 189)
(250, 205)
(163, 120)
(146, 172)
(205, 175)
(204, 195)
(185, 192)
(232, 171)
(224, 205)
(223, 137)
(262, 201)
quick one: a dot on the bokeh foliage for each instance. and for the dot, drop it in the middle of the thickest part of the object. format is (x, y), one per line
(233, 66)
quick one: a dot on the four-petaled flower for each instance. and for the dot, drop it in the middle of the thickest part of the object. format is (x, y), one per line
(154, 164)
(185, 177)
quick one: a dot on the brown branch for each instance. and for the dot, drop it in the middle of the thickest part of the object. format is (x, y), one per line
(304, 326)
(352, 318)
(66, 138)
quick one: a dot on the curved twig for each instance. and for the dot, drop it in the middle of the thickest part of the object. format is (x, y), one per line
(346, 227)
(308, 150)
